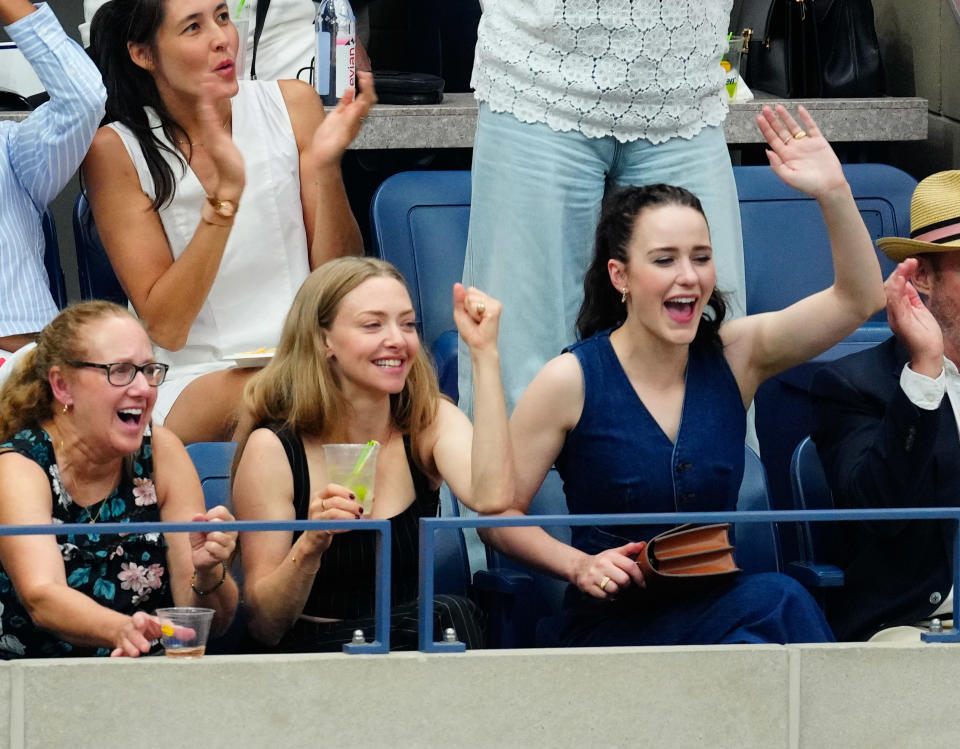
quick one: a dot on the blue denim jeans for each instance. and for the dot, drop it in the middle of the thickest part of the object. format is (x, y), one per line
(536, 200)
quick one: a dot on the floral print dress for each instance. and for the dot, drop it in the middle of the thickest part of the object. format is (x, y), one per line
(125, 572)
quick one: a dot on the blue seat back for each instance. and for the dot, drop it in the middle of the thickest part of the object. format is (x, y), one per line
(785, 245)
(212, 461)
(451, 562)
(94, 272)
(819, 543)
(758, 544)
(419, 223)
(51, 261)
(787, 257)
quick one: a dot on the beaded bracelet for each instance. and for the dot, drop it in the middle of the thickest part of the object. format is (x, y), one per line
(195, 589)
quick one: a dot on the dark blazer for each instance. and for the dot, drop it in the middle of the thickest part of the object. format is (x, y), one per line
(880, 450)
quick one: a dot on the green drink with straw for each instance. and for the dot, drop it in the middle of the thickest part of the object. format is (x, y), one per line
(355, 467)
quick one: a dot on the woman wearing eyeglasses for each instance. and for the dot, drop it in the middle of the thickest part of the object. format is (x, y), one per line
(76, 447)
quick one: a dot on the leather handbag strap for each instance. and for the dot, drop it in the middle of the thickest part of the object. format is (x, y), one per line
(262, 7)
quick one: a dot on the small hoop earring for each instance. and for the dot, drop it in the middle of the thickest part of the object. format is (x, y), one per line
(623, 297)
(65, 410)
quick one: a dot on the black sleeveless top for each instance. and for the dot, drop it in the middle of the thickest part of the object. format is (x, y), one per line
(344, 587)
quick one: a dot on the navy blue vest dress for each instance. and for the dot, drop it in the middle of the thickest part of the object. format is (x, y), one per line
(617, 459)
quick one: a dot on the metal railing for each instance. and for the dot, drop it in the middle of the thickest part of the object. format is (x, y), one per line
(381, 642)
(429, 527)
(427, 541)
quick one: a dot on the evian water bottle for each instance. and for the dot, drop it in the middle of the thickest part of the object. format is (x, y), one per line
(335, 67)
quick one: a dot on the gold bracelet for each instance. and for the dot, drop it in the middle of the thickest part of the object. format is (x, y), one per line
(195, 589)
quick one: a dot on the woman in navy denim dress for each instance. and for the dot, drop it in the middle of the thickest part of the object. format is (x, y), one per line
(647, 412)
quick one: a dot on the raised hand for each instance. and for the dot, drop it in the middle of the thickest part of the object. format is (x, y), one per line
(219, 145)
(800, 156)
(477, 317)
(340, 127)
(212, 548)
(911, 321)
(610, 572)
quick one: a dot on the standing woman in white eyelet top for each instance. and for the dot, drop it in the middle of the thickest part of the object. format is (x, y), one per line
(577, 96)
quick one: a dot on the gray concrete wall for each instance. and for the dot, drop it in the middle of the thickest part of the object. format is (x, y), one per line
(920, 43)
(796, 697)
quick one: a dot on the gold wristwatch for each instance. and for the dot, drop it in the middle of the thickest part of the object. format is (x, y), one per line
(219, 212)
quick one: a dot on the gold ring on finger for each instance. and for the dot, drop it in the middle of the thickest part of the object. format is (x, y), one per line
(603, 582)
(481, 308)
(799, 136)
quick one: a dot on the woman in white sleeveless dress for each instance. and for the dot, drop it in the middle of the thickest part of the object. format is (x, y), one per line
(214, 198)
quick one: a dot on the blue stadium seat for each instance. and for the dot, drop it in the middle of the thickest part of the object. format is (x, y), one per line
(818, 542)
(419, 223)
(758, 544)
(787, 257)
(96, 276)
(51, 261)
(212, 461)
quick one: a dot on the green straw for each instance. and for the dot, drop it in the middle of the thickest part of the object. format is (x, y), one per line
(240, 8)
(364, 456)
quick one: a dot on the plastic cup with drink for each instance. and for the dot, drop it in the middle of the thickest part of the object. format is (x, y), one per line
(355, 467)
(184, 630)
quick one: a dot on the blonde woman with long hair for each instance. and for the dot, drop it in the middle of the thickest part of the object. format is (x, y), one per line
(350, 368)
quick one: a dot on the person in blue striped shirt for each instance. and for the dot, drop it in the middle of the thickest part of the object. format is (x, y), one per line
(37, 158)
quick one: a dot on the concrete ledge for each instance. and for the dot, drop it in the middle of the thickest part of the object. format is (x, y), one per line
(452, 124)
(726, 696)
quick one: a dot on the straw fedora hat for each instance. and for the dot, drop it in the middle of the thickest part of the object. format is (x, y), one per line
(934, 219)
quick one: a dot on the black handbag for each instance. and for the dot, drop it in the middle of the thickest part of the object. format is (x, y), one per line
(850, 61)
(780, 39)
(395, 87)
(810, 48)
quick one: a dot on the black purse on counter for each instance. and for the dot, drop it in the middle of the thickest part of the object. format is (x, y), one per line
(396, 87)
(782, 50)
(850, 61)
(810, 48)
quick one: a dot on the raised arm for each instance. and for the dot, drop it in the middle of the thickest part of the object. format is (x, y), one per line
(759, 346)
(876, 436)
(332, 230)
(547, 410)
(475, 461)
(46, 148)
(166, 293)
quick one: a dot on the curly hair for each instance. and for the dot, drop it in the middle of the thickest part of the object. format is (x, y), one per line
(26, 397)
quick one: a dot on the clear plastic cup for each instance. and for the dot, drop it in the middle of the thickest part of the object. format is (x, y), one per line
(185, 630)
(731, 65)
(243, 28)
(355, 467)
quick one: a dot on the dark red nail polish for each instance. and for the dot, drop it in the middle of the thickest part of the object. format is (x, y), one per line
(352, 495)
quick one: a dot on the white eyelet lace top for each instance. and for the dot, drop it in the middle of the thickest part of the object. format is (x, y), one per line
(627, 68)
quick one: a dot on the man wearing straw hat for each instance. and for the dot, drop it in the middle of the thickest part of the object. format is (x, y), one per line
(886, 427)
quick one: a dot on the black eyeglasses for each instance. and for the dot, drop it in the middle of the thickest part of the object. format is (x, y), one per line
(121, 373)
